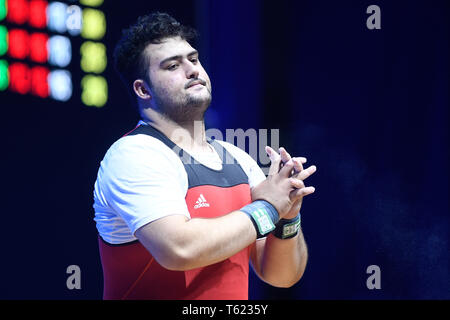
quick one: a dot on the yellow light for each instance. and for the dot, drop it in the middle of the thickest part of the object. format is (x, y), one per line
(91, 3)
(94, 24)
(95, 90)
(93, 57)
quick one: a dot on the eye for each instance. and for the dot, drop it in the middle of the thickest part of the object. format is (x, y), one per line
(172, 66)
(194, 60)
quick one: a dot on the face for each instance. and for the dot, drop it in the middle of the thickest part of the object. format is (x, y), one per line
(180, 87)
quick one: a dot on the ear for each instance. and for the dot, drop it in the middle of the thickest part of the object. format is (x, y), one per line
(141, 89)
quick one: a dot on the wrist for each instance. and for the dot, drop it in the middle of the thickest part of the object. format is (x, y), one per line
(292, 215)
(263, 215)
(287, 228)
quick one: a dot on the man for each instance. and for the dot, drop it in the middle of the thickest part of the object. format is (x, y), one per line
(179, 214)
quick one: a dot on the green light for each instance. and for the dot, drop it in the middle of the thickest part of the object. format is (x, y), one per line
(91, 3)
(94, 24)
(3, 9)
(3, 40)
(93, 57)
(95, 90)
(4, 75)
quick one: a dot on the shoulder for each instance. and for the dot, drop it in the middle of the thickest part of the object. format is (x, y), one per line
(141, 148)
(130, 146)
(140, 179)
(136, 157)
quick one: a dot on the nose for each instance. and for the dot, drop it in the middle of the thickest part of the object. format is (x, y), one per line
(192, 71)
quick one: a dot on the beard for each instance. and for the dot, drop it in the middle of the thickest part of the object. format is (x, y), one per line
(183, 109)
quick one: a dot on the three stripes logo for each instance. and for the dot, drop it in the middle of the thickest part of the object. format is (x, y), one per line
(201, 202)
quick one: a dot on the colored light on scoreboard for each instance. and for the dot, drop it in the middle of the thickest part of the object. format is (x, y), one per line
(23, 79)
(19, 77)
(60, 84)
(37, 13)
(4, 75)
(93, 57)
(3, 40)
(18, 43)
(38, 47)
(94, 24)
(3, 9)
(60, 51)
(21, 11)
(94, 90)
(17, 11)
(39, 84)
(57, 16)
(91, 3)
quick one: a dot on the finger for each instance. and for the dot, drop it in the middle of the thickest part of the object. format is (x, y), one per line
(274, 167)
(286, 171)
(297, 183)
(306, 173)
(298, 166)
(274, 157)
(285, 156)
(271, 153)
(300, 193)
(275, 160)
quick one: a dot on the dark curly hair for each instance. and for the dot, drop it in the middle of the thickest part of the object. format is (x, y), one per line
(129, 59)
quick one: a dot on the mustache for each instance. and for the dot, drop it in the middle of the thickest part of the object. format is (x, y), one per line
(195, 81)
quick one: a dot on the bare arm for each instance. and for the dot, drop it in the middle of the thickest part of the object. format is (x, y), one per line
(181, 244)
(282, 262)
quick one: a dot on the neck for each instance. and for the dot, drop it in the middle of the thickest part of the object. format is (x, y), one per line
(190, 135)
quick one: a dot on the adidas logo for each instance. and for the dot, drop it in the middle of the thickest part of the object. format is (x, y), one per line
(201, 202)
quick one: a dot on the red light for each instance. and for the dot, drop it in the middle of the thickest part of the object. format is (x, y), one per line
(18, 44)
(17, 11)
(39, 84)
(38, 47)
(38, 16)
(19, 77)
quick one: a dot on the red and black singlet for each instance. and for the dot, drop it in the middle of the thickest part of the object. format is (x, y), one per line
(130, 271)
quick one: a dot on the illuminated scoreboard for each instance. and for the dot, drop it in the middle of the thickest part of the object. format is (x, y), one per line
(39, 41)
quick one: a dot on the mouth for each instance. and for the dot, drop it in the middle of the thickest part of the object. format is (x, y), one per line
(195, 83)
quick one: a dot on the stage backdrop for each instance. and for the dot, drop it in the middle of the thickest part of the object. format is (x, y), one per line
(363, 94)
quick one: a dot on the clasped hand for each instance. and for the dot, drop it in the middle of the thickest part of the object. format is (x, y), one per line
(284, 187)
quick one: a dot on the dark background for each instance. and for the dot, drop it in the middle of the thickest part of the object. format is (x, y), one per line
(368, 107)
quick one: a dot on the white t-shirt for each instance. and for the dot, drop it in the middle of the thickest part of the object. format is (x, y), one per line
(141, 179)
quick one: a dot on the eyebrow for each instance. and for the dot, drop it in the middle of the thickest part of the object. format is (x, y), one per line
(177, 57)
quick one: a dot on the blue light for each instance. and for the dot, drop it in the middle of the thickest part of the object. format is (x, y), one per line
(57, 16)
(60, 51)
(60, 83)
